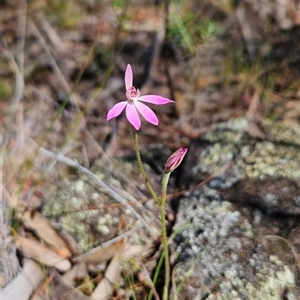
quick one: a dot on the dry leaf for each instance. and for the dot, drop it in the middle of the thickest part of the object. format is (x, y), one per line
(105, 288)
(42, 254)
(45, 231)
(100, 254)
(140, 250)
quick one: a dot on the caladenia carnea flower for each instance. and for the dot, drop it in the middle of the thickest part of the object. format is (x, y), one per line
(134, 104)
(175, 159)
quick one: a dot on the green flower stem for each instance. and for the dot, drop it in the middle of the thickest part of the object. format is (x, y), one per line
(161, 204)
(140, 163)
(165, 181)
(156, 274)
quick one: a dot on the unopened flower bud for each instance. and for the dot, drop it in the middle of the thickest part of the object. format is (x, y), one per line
(175, 159)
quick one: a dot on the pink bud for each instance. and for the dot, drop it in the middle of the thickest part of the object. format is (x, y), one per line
(175, 159)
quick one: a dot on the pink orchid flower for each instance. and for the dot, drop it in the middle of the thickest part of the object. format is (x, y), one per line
(175, 159)
(134, 104)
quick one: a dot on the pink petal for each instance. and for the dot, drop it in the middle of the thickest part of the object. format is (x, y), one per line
(116, 110)
(146, 112)
(155, 99)
(133, 116)
(128, 77)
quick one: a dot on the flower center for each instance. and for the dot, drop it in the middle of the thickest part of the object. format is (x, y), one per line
(132, 93)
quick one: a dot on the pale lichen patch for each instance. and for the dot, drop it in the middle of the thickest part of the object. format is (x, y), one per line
(90, 214)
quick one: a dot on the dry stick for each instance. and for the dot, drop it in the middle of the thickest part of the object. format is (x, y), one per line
(108, 189)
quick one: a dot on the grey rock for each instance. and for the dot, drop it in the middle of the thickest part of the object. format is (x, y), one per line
(236, 245)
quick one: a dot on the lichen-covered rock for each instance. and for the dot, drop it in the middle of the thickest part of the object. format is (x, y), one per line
(91, 215)
(236, 156)
(235, 235)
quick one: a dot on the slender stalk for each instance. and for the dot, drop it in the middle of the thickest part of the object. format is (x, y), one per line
(140, 163)
(156, 274)
(165, 181)
(161, 204)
